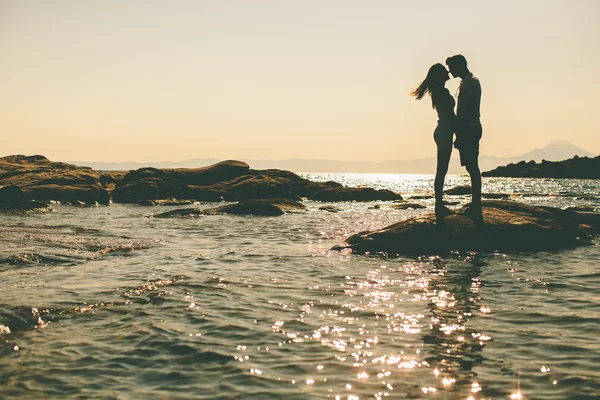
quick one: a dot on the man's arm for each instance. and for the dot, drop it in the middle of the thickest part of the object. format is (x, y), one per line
(470, 107)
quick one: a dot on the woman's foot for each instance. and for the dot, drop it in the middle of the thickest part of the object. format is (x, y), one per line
(442, 211)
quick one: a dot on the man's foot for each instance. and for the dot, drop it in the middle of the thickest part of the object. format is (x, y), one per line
(442, 211)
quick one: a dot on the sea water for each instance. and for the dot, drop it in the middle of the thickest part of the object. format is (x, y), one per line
(110, 303)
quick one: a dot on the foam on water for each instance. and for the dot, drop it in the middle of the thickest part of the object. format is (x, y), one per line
(108, 303)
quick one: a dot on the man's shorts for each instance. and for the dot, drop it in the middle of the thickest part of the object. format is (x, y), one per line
(469, 145)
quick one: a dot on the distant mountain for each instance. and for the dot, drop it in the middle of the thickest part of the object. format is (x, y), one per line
(555, 151)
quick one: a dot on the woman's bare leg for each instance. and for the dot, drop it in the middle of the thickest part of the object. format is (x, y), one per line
(443, 160)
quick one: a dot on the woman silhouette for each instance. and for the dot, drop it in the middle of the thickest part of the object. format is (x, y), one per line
(443, 102)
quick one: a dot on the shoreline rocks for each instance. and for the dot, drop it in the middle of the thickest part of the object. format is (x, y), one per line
(508, 227)
(575, 168)
(40, 179)
(234, 181)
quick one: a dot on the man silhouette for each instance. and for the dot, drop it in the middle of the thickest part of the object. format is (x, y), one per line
(468, 129)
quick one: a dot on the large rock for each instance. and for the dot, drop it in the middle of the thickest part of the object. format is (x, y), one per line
(234, 181)
(194, 183)
(73, 194)
(263, 207)
(205, 176)
(150, 188)
(11, 194)
(508, 226)
(576, 167)
(42, 179)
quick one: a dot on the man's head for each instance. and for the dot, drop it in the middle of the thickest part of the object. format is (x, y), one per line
(457, 65)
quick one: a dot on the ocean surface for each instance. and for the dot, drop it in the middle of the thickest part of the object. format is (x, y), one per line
(110, 303)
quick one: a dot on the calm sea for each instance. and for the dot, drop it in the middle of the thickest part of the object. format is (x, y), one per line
(109, 303)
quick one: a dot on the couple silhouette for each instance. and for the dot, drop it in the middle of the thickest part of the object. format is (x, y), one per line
(461, 129)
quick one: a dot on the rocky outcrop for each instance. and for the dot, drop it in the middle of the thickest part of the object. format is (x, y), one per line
(576, 167)
(508, 226)
(258, 207)
(12, 199)
(41, 179)
(234, 181)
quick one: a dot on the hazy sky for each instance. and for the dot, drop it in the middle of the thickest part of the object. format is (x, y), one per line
(118, 80)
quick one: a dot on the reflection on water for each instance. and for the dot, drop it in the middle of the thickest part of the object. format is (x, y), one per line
(107, 303)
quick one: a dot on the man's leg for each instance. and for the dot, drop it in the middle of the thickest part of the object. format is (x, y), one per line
(475, 174)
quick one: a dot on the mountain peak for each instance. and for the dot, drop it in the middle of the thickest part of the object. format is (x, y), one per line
(561, 144)
(556, 150)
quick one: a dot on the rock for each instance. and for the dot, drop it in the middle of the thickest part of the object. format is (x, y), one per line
(258, 207)
(166, 202)
(41, 179)
(450, 203)
(375, 207)
(458, 191)
(495, 196)
(580, 208)
(11, 194)
(421, 197)
(332, 209)
(25, 205)
(353, 194)
(109, 179)
(264, 185)
(149, 188)
(576, 167)
(68, 194)
(205, 176)
(406, 206)
(266, 207)
(509, 226)
(181, 213)
(227, 184)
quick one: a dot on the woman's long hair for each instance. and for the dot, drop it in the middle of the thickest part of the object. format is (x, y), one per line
(431, 84)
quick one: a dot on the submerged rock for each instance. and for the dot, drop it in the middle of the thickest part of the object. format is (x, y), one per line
(495, 196)
(508, 226)
(331, 209)
(421, 197)
(458, 191)
(166, 202)
(266, 207)
(406, 206)
(25, 205)
(258, 207)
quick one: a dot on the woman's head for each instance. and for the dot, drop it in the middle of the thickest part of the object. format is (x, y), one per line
(436, 78)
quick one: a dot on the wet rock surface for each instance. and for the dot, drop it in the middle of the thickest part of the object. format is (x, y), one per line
(257, 207)
(507, 227)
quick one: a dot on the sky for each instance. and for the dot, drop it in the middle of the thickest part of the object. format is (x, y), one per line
(147, 80)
